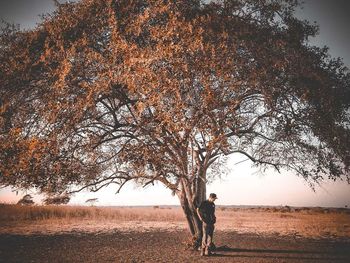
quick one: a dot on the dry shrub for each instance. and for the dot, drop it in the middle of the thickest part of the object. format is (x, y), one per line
(286, 216)
(190, 243)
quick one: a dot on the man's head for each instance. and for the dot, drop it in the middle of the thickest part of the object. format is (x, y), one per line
(212, 197)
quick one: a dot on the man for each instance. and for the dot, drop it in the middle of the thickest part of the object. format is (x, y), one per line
(206, 213)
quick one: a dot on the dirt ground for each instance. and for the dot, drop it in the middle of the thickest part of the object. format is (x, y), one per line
(167, 246)
(80, 234)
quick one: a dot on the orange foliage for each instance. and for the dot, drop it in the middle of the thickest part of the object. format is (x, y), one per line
(162, 91)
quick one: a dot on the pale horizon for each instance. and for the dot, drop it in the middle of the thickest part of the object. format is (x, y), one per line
(243, 185)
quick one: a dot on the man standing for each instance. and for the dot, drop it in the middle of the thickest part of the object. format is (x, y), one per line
(206, 213)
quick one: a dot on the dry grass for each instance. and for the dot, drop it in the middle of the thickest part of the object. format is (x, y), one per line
(12, 213)
(305, 222)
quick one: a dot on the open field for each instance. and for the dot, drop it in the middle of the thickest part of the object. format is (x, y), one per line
(304, 222)
(159, 234)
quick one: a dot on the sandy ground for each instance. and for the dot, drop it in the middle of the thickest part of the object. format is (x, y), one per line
(242, 235)
(167, 246)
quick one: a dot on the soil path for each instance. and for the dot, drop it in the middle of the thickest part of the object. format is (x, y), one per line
(162, 246)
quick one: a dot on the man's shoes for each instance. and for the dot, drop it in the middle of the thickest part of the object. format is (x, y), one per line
(205, 252)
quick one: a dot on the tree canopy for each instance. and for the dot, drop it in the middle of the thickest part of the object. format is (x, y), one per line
(56, 200)
(106, 92)
(26, 200)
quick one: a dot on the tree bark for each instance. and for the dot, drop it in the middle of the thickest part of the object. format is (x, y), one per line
(201, 187)
(190, 199)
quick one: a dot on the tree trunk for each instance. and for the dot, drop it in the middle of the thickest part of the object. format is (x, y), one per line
(201, 187)
(190, 199)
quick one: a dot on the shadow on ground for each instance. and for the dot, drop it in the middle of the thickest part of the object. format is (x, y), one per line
(282, 254)
(163, 246)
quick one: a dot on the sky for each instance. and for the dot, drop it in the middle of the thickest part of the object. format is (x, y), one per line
(243, 185)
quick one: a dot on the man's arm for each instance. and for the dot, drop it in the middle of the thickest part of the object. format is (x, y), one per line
(202, 217)
(199, 214)
(214, 216)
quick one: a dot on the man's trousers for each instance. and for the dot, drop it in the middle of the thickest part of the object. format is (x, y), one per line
(208, 232)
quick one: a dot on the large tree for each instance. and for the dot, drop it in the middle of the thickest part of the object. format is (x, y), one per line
(162, 91)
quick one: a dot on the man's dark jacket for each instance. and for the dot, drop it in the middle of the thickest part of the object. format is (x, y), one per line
(207, 212)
